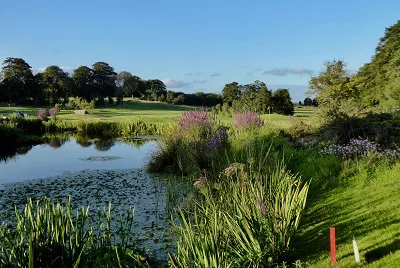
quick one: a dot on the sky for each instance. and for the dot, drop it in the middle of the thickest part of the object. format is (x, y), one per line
(198, 45)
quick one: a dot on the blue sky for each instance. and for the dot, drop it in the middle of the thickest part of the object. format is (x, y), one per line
(198, 45)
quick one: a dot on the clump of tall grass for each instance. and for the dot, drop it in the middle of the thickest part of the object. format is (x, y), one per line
(246, 220)
(49, 234)
(137, 127)
(191, 145)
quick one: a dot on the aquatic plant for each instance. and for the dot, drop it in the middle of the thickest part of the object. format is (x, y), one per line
(191, 145)
(245, 221)
(49, 234)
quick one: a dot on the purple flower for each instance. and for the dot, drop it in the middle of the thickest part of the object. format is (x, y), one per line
(248, 121)
(53, 111)
(263, 208)
(43, 114)
(196, 118)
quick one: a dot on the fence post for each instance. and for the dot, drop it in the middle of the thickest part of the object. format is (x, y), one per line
(333, 244)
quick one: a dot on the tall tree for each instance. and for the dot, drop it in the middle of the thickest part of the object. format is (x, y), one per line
(104, 79)
(378, 81)
(263, 100)
(83, 83)
(308, 101)
(17, 79)
(156, 88)
(56, 84)
(230, 92)
(130, 84)
(331, 87)
(282, 102)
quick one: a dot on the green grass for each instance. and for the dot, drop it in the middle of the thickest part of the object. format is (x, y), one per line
(365, 204)
(150, 112)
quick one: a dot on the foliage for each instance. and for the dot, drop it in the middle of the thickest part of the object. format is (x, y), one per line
(332, 88)
(17, 80)
(53, 112)
(43, 114)
(247, 220)
(377, 81)
(282, 102)
(190, 145)
(49, 234)
(247, 121)
(83, 83)
(56, 84)
(357, 147)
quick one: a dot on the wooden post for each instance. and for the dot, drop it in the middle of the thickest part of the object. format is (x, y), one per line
(333, 244)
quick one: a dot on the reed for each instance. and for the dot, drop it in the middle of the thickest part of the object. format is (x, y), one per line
(47, 234)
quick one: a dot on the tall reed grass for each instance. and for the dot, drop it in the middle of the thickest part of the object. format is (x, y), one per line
(47, 234)
(246, 220)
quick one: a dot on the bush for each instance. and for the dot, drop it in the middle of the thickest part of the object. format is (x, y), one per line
(43, 114)
(58, 106)
(247, 121)
(191, 145)
(247, 220)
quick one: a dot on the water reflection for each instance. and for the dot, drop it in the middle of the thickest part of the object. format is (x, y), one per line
(64, 153)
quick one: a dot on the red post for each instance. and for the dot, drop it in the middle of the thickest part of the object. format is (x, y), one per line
(333, 244)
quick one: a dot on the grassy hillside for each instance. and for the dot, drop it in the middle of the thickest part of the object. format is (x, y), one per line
(363, 201)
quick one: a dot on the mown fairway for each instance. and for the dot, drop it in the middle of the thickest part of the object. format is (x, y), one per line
(150, 112)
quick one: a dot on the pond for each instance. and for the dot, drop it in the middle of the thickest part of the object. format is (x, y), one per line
(96, 174)
(55, 158)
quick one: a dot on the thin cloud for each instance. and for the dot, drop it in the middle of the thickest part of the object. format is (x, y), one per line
(288, 71)
(193, 74)
(199, 82)
(171, 83)
(215, 75)
(256, 70)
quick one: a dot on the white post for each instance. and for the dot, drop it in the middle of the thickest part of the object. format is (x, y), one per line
(356, 252)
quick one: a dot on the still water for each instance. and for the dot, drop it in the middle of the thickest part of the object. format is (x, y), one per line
(49, 159)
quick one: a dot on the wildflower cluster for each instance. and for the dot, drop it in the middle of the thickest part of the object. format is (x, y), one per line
(219, 139)
(53, 111)
(43, 114)
(234, 168)
(359, 147)
(248, 121)
(196, 118)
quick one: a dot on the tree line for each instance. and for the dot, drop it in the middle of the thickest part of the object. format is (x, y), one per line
(256, 97)
(374, 88)
(18, 84)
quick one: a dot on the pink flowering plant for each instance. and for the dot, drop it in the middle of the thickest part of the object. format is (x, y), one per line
(248, 121)
(192, 144)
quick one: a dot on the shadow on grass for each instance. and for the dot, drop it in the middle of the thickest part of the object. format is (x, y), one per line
(381, 252)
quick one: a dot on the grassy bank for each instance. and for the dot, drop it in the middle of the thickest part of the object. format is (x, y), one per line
(362, 201)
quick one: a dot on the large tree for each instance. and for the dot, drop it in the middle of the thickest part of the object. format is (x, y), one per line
(331, 87)
(230, 92)
(17, 79)
(156, 88)
(263, 101)
(104, 79)
(56, 84)
(129, 84)
(282, 102)
(378, 82)
(83, 83)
